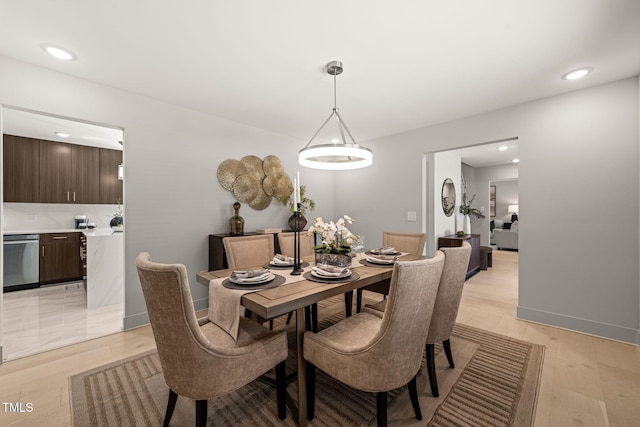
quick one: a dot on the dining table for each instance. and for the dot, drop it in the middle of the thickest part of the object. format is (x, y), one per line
(298, 296)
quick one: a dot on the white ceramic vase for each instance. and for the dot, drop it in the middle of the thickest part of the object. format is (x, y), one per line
(466, 224)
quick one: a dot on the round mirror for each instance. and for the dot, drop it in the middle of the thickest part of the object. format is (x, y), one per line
(448, 197)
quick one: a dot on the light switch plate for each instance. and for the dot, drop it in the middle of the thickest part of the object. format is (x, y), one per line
(411, 216)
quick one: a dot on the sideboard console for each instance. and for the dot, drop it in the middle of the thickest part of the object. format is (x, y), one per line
(456, 241)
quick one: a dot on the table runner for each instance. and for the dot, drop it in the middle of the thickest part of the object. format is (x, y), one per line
(225, 306)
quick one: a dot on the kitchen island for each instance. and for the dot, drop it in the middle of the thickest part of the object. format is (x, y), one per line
(105, 267)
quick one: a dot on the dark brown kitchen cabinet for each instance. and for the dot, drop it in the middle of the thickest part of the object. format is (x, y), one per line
(110, 184)
(69, 173)
(55, 172)
(42, 171)
(21, 174)
(60, 257)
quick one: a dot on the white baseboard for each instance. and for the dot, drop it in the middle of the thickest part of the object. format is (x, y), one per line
(141, 319)
(605, 330)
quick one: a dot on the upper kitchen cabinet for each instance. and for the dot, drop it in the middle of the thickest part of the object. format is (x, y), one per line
(110, 184)
(21, 174)
(69, 173)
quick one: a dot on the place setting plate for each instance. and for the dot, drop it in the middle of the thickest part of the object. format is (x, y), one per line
(284, 267)
(273, 281)
(377, 264)
(375, 252)
(325, 279)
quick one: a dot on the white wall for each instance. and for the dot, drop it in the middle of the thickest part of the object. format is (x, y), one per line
(577, 271)
(172, 197)
(575, 148)
(484, 178)
(445, 165)
(507, 194)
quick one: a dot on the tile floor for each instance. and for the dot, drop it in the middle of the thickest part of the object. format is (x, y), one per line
(37, 320)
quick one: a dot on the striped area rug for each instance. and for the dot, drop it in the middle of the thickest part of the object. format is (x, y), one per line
(494, 383)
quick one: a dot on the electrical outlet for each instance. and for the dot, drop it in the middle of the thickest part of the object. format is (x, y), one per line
(31, 218)
(411, 216)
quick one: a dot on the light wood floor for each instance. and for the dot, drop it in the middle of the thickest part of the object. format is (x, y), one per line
(586, 381)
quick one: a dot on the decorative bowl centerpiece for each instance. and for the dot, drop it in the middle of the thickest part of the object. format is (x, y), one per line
(336, 241)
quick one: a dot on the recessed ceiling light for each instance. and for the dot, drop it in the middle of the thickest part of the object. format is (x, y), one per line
(503, 147)
(62, 134)
(58, 52)
(516, 160)
(577, 74)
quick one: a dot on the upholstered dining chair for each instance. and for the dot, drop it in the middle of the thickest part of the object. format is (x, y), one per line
(248, 251)
(412, 243)
(286, 240)
(445, 311)
(379, 354)
(200, 360)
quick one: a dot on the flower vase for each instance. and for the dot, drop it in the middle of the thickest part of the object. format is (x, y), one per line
(466, 225)
(117, 223)
(337, 260)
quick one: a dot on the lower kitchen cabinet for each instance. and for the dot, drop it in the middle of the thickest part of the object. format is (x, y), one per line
(60, 257)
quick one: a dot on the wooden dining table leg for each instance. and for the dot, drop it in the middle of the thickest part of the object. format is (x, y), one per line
(302, 369)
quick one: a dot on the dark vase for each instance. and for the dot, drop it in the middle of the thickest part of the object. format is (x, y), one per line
(116, 221)
(300, 225)
(236, 223)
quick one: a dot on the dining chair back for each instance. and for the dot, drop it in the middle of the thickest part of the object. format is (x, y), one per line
(286, 242)
(248, 251)
(200, 360)
(412, 243)
(379, 354)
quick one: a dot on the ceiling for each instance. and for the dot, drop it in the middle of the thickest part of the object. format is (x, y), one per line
(41, 126)
(407, 64)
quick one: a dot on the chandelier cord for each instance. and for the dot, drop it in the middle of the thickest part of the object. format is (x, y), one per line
(335, 92)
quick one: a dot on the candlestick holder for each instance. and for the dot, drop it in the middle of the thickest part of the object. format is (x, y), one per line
(297, 269)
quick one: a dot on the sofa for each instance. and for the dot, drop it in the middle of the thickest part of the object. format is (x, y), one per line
(506, 238)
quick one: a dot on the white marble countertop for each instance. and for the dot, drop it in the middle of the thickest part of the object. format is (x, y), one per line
(87, 232)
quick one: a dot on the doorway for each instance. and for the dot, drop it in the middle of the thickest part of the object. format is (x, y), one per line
(62, 311)
(481, 165)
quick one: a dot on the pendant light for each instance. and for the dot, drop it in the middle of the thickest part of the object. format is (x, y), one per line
(336, 153)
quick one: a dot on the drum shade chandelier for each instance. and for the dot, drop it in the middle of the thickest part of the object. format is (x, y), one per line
(337, 153)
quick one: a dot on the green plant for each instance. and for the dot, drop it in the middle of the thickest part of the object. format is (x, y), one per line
(306, 204)
(465, 207)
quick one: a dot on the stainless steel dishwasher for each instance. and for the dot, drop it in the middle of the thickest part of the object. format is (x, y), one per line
(21, 262)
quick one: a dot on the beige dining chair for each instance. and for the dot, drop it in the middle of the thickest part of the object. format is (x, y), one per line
(379, 354)
(286, 242)
(411, 243)
(249, 251)
(199, 359)
(446, 307)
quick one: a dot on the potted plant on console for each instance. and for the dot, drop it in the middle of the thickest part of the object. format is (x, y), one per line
(117, 222)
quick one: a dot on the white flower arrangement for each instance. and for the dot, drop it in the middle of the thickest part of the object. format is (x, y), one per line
(336, 237)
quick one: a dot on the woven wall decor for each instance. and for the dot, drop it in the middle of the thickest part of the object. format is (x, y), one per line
(255, 181)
